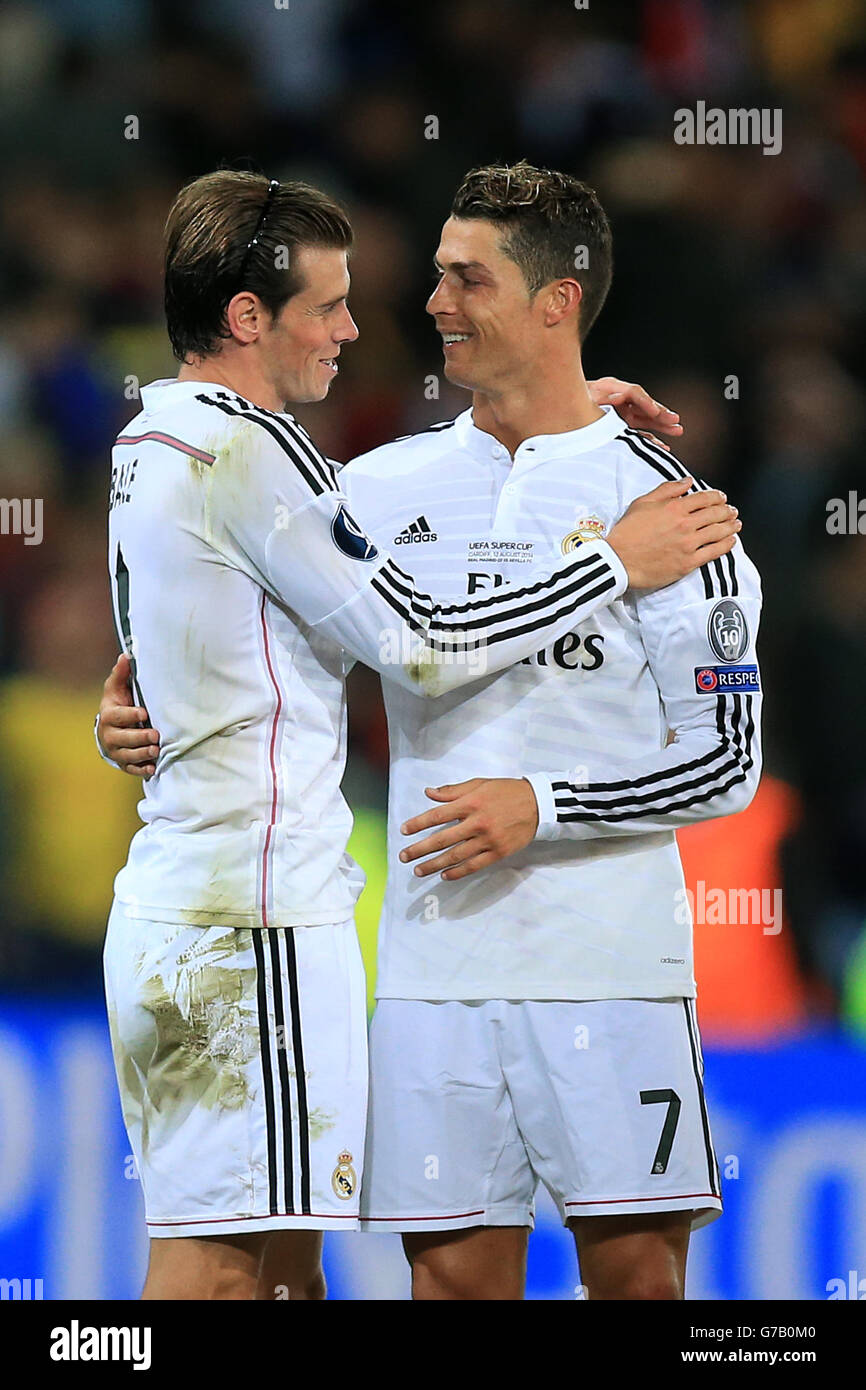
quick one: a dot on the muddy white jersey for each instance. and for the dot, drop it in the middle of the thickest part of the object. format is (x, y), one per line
(640, 719)
(242, 589)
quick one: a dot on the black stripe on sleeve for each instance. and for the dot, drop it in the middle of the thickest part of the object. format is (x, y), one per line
(404, 582)
(505, 604)
(667, 473)
(736, 756)
(312, 476)
(545, 612)
(300, 439)
(732, 572)
(715, 581)
(708, 581)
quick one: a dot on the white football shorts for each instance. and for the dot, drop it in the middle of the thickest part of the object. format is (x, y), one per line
(241, 1058)
(473, 1103)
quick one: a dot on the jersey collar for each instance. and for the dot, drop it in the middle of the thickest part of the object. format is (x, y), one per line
(157, 392)
(539, 447)
(168, 390)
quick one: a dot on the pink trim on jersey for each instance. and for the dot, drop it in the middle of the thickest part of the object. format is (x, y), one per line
(268, 852)
(450, 1216)
(201, 454)
(602, 1202)
(665, 1197)
(257, 1216)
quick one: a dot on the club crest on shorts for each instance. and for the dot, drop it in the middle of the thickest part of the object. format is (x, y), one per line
(728, 631)
(344, 1179)
(588, 528)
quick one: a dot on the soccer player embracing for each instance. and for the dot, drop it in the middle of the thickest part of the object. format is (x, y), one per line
(243, 587)
(536, 1017)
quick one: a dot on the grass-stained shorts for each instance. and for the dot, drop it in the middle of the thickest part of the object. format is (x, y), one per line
(241, 1058)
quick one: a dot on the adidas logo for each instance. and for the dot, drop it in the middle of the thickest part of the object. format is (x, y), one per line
(419, 530)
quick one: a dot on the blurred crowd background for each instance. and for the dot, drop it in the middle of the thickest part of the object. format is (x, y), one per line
(739, 299)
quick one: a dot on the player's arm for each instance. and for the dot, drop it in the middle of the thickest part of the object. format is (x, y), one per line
(289, 526)
(276, 511)
(700, 638)
(710, 768)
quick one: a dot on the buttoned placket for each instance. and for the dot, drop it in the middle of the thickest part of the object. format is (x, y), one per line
(507, 478)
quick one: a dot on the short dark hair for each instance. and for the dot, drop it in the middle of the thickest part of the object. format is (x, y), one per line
(209, 259)
(545, 218)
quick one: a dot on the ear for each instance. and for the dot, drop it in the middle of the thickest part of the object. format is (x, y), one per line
(563, 301)
(245, 317)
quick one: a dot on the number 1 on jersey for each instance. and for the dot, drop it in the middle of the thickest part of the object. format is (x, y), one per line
(121, 579)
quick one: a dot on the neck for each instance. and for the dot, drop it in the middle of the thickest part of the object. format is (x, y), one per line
(552, 404)
(232, 371)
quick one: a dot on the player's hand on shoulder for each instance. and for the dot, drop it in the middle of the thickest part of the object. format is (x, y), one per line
(669, 532)
(485, 820)
(122, 728)
(636, 406)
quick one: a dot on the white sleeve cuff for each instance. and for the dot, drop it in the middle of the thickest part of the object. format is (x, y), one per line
(104, 756)
(543, 787)
(607, 552)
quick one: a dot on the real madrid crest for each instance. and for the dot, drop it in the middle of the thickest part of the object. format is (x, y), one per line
(344, 1179)
(589, 528)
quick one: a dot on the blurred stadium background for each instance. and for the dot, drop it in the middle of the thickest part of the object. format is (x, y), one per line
(739, 298)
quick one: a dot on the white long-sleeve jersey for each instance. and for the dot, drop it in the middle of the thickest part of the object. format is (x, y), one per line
(242, 587)
(594, 907)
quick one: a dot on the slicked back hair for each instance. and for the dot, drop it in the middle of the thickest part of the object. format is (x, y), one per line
(552, 226)
(209, 258)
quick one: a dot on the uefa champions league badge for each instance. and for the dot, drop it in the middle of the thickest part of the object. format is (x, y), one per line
(344, 1179)
(588, 528)
(727, 631)
(349, 537)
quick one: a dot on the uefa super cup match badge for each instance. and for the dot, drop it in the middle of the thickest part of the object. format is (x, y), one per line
(588, 528)
(344, 1179)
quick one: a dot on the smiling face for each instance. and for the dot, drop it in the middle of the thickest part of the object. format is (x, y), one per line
(298, 349)
(493, 333)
